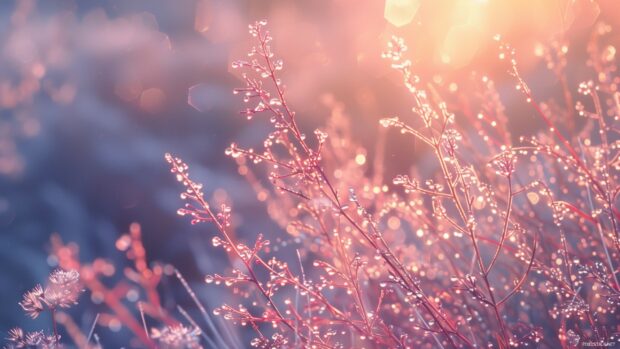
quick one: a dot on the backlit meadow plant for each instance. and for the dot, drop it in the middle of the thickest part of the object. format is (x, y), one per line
(501, 241)
(504, 244)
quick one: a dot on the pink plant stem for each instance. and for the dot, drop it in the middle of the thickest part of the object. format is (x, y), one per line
(298, 136)
(472, 235)
(205, 206)
(608, 198)
(54, 325)
(559, 135)
(400, 271)
(605, 192)
(504, 229)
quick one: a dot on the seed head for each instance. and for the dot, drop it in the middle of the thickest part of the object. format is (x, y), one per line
(33, 302)
(177, 337)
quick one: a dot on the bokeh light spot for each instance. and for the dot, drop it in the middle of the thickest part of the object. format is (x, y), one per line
(401, 12)
(152, 100)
